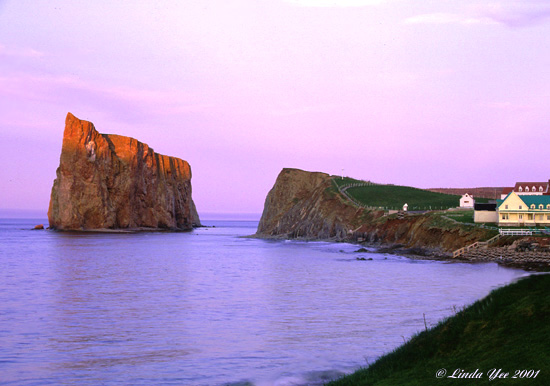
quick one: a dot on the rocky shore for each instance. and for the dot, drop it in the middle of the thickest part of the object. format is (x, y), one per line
(505, 256)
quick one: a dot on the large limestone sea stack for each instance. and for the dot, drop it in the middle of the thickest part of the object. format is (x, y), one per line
(107, 181)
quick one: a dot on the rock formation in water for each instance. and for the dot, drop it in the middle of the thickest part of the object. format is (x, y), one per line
(107, 181)
(304, 205)
(308, 205)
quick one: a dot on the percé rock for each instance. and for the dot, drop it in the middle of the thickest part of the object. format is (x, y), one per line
(107, 181)
(307, 205)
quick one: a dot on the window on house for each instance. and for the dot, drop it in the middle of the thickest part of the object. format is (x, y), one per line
(540, 189)
(541, 206)
(534, 189)
(520, 189)
(504, 217)
(526, 188)
(529, 217)
(521, 217)
(520, 207)
(532, 206)
(505, 206)
(548, 217)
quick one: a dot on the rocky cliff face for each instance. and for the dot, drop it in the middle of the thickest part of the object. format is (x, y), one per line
(115, 182)
(308, 205)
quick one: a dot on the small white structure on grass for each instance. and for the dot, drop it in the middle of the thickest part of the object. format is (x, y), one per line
(467, 201)
(405, 207)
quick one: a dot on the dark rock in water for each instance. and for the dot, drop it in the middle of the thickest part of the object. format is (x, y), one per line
(361, 250)
(416, 251)
(39, 226)
(364, 259)
(115, 182)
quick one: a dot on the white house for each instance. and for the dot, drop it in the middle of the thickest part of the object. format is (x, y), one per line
(467, 201)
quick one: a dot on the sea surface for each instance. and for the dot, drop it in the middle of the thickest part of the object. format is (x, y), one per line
(210, 307)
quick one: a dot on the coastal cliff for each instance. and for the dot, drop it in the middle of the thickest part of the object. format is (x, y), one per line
(308, 205)
(107, 181)
(304, 205)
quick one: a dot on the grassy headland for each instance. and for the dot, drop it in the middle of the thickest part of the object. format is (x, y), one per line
(508, 330)
(394, 196)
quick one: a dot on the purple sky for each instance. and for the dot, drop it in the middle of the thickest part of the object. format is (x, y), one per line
(421, 93)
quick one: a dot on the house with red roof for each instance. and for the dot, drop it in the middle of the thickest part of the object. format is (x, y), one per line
(528, 189)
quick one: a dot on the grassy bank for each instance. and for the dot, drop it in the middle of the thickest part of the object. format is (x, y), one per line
(463, 216)
(509, 330)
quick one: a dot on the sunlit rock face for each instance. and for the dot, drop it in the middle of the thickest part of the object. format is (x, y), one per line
(107, 181)
(300, 205)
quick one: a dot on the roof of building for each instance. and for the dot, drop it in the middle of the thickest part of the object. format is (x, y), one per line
(529, 185)
(529, 200)
(507, 190)
(488, 207)
(545, 200)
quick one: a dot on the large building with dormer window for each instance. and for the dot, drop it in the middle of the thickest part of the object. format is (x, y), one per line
(527, 189)
(531, 188)
(524, 209)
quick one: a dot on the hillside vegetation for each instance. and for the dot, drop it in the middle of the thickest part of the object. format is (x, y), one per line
(492, 193)
(506, 330)
(395, 196)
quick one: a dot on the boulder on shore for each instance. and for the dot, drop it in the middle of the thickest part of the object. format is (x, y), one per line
(107, 181)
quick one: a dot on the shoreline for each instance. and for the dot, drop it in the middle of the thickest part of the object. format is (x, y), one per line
(500, 255)
(121, 231)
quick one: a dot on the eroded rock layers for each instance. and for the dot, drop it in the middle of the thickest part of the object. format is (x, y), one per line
(107, 181)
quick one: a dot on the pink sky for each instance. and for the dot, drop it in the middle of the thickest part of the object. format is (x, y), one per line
(427, 94)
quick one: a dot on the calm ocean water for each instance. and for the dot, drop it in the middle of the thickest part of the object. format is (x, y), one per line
(209, 307)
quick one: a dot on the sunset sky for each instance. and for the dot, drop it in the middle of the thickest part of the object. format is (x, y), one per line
(420, 93)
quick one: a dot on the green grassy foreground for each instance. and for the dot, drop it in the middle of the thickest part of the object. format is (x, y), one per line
(509, 330)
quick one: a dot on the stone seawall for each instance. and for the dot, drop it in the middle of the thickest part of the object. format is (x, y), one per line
(507, 256)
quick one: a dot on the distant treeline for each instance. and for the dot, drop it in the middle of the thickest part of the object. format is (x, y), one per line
(486, 192)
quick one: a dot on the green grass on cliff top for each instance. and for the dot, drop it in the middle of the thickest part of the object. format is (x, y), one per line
(395, 196)
(509, 330)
